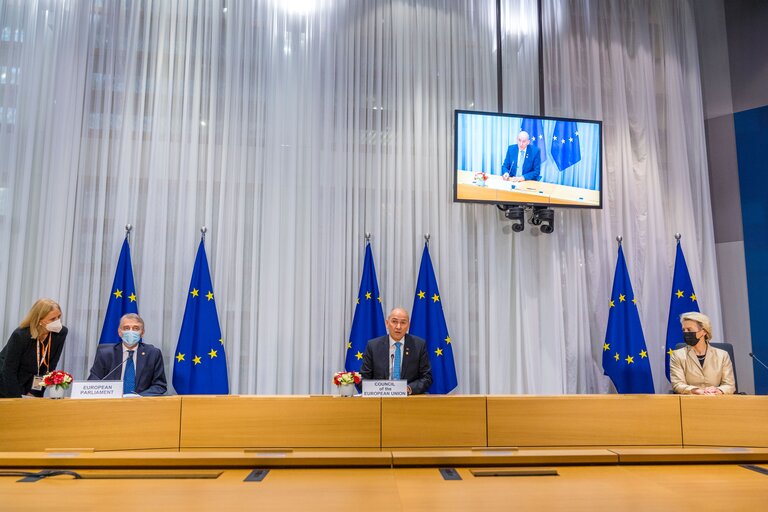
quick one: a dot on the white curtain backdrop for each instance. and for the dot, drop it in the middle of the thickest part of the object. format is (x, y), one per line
(290, 129)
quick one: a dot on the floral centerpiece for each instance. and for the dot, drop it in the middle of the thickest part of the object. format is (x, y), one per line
(57, 381)
(481, 178)
(346, 382)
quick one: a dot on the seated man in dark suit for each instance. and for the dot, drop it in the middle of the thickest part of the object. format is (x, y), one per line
(523, 161)
(139, 365)
(398, 356)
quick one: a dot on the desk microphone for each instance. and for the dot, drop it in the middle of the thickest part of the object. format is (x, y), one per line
(113, 370)
(391, 366)
(753, 356)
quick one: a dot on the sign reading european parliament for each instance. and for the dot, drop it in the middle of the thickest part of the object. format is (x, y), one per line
(200, 365)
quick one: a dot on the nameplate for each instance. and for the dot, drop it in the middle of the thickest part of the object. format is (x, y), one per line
(385, 388)
(97, 389)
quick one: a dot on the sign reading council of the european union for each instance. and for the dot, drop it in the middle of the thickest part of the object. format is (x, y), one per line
(97, 389)
(385, 388)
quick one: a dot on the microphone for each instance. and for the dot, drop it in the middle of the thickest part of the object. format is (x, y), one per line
(753, 356)
(391, 365)
(113, 370)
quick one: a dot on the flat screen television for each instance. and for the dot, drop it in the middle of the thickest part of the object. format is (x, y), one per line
(560, 163)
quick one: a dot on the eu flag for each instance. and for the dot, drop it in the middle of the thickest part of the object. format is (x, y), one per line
(122, 297)
(428, 323)
(566, 149)
(368, 322)
(201, 364)
(625, 355)
(535, 130)
(683, 300)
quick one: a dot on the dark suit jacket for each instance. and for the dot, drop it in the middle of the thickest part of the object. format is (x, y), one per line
(150, 371)
(18, 362)
(415, 368)
(531, 165)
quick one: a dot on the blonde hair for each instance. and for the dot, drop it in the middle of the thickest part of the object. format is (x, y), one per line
(702, 320)
(132, 316)
(39, 310)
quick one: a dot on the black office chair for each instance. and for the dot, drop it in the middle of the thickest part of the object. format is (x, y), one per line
(728, 348)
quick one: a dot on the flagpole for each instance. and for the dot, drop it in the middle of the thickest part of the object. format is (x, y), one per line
(128, 229)
(678, 236)
(427, 236)
(367, 238)
(619, 239)
(203, 230)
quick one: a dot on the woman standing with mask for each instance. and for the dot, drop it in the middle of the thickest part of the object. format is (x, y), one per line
(32, 351)
(699, 368)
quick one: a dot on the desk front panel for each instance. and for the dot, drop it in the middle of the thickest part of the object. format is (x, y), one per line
(109, 424)
(280, 422)
(733, 420)
(433, 421)
(584, 420)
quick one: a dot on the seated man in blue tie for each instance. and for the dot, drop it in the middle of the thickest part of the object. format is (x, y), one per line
(398, 356)
(139, 365)
(523, 161)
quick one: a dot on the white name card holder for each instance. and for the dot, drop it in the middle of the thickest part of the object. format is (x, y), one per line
(86, 389)
(385, 388)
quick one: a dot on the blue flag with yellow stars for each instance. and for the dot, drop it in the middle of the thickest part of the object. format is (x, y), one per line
(535, 130)
(625, 354)
(428, 323)
(200, 365)
(368, 322)
(683, 300)
(122, 297)
(566, 149)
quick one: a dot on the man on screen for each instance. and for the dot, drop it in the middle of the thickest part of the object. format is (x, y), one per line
(139, 365)
(398, 356)
(523, 161)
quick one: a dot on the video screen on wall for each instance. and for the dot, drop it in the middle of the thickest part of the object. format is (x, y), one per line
(530, 160)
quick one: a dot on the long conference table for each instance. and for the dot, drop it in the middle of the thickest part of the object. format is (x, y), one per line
(421, 431)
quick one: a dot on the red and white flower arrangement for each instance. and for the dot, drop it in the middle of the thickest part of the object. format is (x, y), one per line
(345, 378)
(481, 178)
(57, 378)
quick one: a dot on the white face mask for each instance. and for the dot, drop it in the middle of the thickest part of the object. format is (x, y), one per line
(54, 326)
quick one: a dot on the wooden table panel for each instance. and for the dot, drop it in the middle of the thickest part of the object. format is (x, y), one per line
(584, 420)
(280, 421)
(207, 459)
(690, 455)
(110, 424)
(733, 420)
(442, 458)
(433, 421)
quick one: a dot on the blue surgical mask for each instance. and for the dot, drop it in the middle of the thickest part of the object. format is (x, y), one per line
(131, 338)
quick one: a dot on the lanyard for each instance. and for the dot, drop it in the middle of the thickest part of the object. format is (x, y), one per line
(45, 357)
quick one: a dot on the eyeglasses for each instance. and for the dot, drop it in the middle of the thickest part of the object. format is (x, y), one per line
(135, 328)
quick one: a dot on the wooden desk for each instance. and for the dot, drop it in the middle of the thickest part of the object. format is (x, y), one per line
(582, 488)
(584, 420)
(280, 422)
(500, 191)
(427, 422)
(734, 420)
(119, 424)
